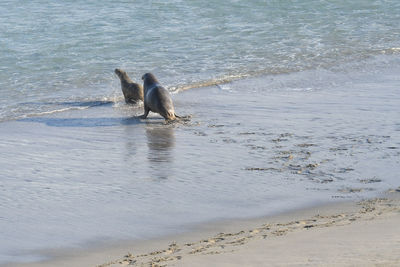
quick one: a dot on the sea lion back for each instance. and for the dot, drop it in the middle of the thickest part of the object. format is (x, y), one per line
(165, 105)
(132, 91)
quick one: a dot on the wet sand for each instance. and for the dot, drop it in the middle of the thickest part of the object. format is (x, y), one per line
(99, 176)
(363, 233)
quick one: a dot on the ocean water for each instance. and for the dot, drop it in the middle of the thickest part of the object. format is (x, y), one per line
(57, 52)
(293, 103)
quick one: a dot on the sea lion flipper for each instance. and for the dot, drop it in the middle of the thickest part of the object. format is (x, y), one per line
(187, 117)
(146, 112)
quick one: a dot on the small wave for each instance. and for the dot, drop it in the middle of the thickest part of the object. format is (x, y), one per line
(38, 114)
(37, 109)
(376, 59)
(391, 51)
(207, 83)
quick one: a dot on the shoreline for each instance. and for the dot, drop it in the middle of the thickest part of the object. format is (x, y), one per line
(252, 242)
(293, 116)
(336, 142)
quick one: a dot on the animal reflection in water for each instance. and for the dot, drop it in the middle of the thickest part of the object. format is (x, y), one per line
(160, 141)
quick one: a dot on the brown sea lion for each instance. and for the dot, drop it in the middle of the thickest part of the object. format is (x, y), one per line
(133, 92)
(157, 99)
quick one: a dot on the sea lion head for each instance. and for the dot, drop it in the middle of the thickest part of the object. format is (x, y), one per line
(149, 79)
(121, 73)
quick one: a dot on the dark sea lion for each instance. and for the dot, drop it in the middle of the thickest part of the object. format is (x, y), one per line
(157, 99)
(133, 92)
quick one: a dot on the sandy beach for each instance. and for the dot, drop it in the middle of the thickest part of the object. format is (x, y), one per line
(364, 233)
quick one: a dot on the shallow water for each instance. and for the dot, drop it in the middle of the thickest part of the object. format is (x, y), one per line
(302, 108)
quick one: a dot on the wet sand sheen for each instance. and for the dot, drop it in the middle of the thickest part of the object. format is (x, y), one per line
(101, 175)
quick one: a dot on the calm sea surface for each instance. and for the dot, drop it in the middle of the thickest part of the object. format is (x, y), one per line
(306, 111)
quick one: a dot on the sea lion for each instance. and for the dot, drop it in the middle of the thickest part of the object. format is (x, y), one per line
(157, 99)
(133, 92)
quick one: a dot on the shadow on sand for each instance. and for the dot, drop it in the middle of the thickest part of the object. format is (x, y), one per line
(92, 122)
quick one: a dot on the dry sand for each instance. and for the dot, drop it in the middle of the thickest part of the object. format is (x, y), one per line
(366, 233)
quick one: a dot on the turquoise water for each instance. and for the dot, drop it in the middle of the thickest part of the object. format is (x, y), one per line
(305, 111)
(66, 51)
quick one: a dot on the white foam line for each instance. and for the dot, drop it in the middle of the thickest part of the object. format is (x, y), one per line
(50, 112)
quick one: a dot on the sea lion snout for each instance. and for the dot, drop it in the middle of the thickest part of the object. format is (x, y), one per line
(119, 72)
(144, 76)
